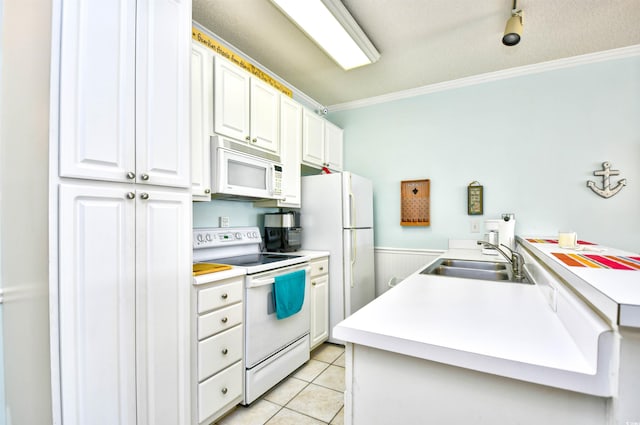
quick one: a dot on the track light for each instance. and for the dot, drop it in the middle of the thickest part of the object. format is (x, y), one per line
(513, 30)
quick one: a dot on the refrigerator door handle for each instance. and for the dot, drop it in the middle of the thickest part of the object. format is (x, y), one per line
(352, 210)
(354, 253)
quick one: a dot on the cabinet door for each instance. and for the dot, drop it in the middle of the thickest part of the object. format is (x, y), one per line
(333, 146)
(319, 310)
(291, 139)
(312, 139)
(231, 101)
(97, 305)
(163, 283)
(201, 121)
(163, 154)
(97, 102)
(264, 116)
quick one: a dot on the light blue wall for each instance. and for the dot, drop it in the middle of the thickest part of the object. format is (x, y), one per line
(240, 213)
(532, 141)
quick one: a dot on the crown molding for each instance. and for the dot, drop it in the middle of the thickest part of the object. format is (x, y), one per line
(623, 52)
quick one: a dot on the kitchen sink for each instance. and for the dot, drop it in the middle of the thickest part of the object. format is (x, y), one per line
(468, 269)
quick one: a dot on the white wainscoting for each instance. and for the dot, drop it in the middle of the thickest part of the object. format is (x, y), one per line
(395, 264)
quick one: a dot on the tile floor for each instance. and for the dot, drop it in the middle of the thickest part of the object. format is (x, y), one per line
(312, 395)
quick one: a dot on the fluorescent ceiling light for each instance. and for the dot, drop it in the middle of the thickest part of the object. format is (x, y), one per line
(332, 27)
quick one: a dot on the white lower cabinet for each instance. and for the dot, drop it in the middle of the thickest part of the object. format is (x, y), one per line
(319, 297)
(218, 345)
(124, 260)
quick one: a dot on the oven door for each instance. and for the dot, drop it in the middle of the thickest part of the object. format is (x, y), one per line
(265, 334)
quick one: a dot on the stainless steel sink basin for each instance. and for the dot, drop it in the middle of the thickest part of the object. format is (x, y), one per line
(476, 265)
(468, 269)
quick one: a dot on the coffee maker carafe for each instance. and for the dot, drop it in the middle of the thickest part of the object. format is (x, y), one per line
(282, 231)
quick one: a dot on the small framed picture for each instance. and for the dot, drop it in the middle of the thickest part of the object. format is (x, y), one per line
(474, 199)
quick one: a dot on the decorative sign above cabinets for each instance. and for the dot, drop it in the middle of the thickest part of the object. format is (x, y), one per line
(206, 40)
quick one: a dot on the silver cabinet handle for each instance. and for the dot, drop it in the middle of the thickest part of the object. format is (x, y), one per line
(131, 175)
(225, 351)
(321, 268)
(224, 390)
(313, 283)
(144, 176)
(131, 195)
(207, 191)
(255, 140)
(224, 296)
(144, 195)
(224, 320)
(248, 138)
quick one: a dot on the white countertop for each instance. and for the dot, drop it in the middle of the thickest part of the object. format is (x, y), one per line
(312, 254)
(500, 328)
(615, 292)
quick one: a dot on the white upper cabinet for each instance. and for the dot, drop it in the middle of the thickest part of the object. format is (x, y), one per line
(312, 139)
(245, 108)
(201, 121)
(322, 142)
(333, 146)
(124, 94)
(290, 140)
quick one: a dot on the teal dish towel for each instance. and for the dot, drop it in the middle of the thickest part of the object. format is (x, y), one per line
(288, 293)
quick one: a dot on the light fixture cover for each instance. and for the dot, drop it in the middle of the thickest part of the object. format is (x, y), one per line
(513, 29)
(330, 25)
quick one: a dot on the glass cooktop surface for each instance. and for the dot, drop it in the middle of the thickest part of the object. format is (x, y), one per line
(255, 259)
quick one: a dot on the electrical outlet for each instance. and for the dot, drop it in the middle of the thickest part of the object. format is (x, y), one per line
(224, 221)
(475, 226)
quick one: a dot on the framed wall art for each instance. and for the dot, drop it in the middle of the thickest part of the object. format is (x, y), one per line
(414, 203)
(474, 199)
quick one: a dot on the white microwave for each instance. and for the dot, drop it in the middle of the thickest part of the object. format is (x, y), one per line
(236, 174)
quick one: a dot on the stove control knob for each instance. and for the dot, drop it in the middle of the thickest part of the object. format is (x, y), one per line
(207, 237)
(238, 235)
(199, 238)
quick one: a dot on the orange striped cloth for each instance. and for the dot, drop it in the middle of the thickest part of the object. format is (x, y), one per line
(595, 261)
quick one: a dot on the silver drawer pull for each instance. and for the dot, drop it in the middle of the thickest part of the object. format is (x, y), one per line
(225, 351)
(313, 283)
(224, 390)
(224, 296)
(321, 268)
(224, 320)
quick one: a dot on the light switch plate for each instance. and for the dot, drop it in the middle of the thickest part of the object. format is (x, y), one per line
(475, 226)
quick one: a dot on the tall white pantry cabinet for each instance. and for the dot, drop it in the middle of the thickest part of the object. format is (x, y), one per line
(121, 179)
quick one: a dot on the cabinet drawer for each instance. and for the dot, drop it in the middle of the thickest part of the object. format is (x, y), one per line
(219, 390)
(219, 320)
(220, 295)
(219, 351)
(319, 267)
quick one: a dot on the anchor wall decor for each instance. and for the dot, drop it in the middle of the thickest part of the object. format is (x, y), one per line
(606, 191)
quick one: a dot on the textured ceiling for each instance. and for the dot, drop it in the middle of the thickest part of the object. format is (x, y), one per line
(422, 42)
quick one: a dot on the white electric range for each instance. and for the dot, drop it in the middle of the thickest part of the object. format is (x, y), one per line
(273, 348)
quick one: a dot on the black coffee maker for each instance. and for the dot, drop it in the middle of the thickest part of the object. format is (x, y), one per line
(282, 231)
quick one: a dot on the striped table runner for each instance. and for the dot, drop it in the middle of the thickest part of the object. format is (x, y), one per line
(599, 261)
(556, 241)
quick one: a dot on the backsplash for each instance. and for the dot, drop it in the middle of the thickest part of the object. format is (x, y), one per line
(240, 213)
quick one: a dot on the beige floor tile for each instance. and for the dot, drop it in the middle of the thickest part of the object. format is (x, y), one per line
(339, 418)
(318, 402)
(285, 391)
(310, 370)
(289, 417)
(339, 361)
(258, 413)
(327, 352)
(332, 377)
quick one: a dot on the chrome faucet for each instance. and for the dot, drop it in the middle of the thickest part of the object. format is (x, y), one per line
(516, 260)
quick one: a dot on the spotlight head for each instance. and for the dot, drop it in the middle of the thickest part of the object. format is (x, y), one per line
(513, 30)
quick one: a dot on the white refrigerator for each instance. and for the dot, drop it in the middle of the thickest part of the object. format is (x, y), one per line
(337, 216)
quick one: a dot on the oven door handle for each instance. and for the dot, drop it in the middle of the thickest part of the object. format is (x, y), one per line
(269, 280)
